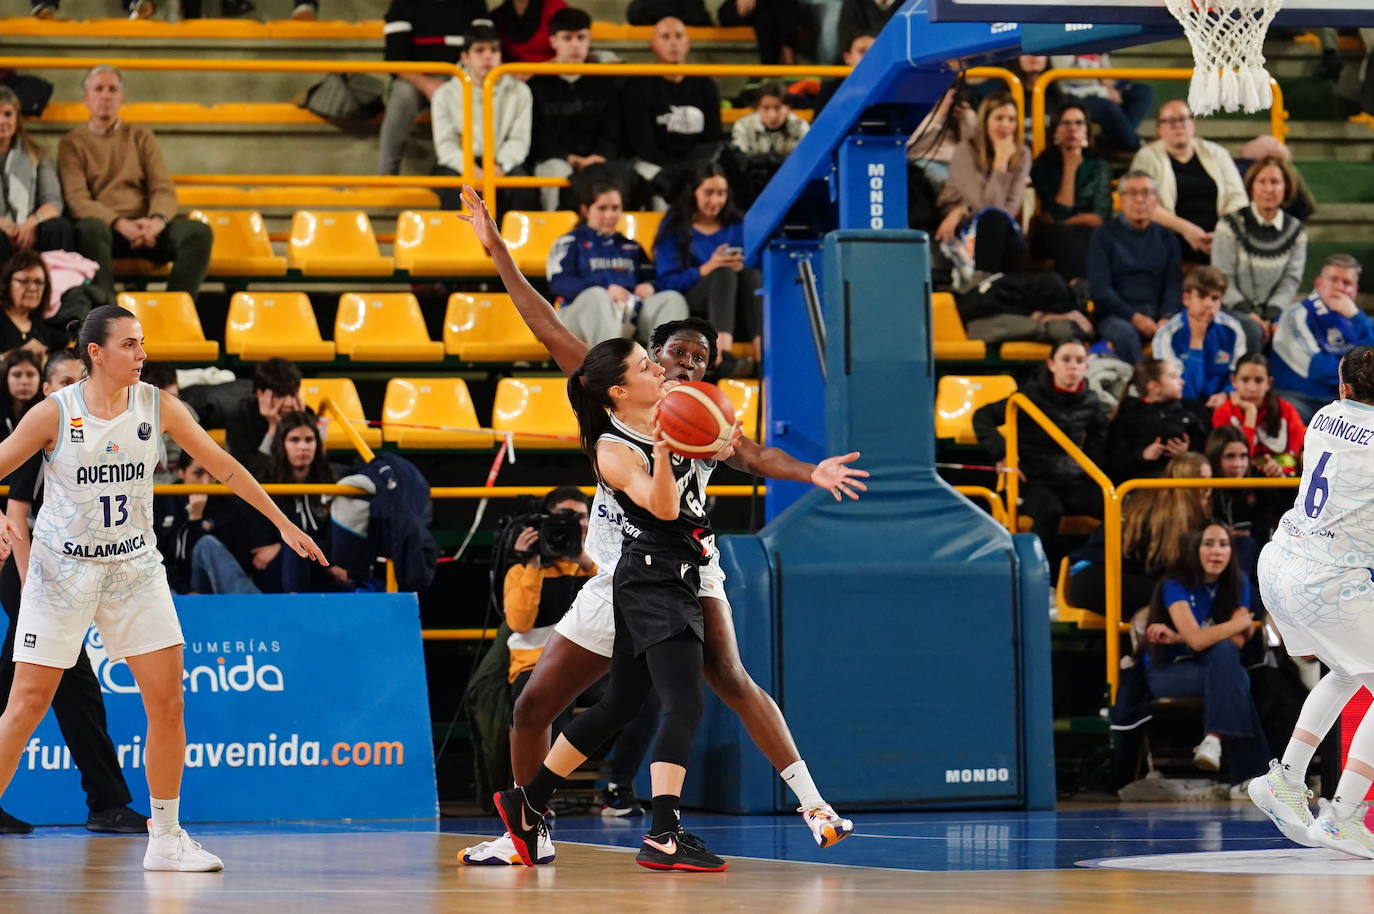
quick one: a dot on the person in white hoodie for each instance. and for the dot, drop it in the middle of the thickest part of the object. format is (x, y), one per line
(512, 117)
(1196, 181)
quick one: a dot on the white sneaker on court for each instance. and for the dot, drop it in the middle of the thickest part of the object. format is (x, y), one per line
(501, 852)
(1342, 833)
(1207, 754)
(176, 852)
(826, 825)
(1284, 802)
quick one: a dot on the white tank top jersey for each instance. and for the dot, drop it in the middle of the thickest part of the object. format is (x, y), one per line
(1332, 519)
(98, 478)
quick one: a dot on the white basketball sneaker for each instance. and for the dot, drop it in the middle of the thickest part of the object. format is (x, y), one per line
(501, 852)
(826, 825)
(1285, 802)
(1342, 833)
(176, 852)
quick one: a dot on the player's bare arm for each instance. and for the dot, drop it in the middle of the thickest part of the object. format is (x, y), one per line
(622, 468)
(832, 474)
(185, 431)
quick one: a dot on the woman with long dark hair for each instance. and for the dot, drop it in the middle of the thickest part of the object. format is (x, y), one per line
(297, 455)
(699, 252)
(659, 626)
(1075, 191)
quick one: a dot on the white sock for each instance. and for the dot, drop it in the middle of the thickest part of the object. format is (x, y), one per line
(1351, 790)
(1296, 760)
(165, 814)
(799, 780)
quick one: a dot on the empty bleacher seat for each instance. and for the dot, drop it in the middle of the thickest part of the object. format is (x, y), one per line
(344, 395)
(1021, 351)
(376, 327)
(641, 227)
(171, 326)
(744, 396)
(530, 236)
(262, 325)
(485, 327)
(949, 339)
(241, 246)
(431, 413)
(958, 398)
(537, 411)
(438, 243)
(335, 244)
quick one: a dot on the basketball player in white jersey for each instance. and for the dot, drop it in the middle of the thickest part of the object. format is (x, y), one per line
(94, 557)
(1317, 579)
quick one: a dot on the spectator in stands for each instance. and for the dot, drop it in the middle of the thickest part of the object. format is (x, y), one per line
(1204, 341)
(934, 141)
(763, 138)
(118, 189)
(215, 545)
(865, 17)
(854, 51)
(297, 456)
(1117, 106)
(1151, 429)
(304, 11)
(1249, 514)
(576, 126)
(651, 12)
(776, 25)
(1302, 204)
(23, 379)
(525, 26)
(1028, 68)
(1054, 484)
(1310, 337)
(1262, 250)
(981, 201)
(1133, 271)
(1199, 620)
(511, 120)
(1075, 191)
(699, 252)
(24, 287)
(1271, 425)
(30, 195)
(1195, 179)
(672, 123)
(605, 280)
(418, 30)
(250, 423)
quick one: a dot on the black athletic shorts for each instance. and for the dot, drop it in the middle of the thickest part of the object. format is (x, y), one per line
(655, 598)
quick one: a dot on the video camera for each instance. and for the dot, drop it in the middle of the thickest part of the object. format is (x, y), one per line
(560, 535)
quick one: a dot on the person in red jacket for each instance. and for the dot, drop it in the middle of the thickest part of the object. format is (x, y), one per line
(1271, 424)
(524, 28)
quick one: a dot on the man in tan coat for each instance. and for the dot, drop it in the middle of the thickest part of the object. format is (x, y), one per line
(120, 193)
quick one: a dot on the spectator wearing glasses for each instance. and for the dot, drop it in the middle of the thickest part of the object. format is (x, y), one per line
(1075, 191)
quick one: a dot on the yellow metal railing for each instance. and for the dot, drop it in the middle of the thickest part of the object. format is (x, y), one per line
(999, 511)
(1020, 402)
(1278, 115)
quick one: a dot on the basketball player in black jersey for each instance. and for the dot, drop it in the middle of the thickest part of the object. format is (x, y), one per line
(658, 619)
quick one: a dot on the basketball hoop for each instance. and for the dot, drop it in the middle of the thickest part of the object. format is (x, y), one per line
(1228, 52)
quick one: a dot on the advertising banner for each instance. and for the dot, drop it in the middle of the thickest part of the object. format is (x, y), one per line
(298, 706)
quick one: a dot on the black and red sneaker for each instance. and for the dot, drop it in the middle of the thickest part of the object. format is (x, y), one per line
(522, 822)
(678, 850)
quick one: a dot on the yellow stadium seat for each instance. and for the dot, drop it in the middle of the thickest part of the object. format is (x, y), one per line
(241, 246)
(530, 236)
(948, 336)
(744, 395)
(1024, 352)
(262, 325)
(641, 227)
(241, 243)
(537, 411)
(171, 326)
(345, 397)
(485, 327)
(1083, 618)
(958, 398)
(442, 406)
(335, 244)
(376, 327)
(438, 243)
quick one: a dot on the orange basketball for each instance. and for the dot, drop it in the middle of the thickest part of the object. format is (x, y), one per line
(696, 418)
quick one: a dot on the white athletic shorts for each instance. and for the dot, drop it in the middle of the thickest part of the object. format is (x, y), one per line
(1320, 609)
(590, 622)
(129, 602)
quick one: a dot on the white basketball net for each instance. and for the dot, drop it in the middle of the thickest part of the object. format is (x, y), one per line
(1228, 52)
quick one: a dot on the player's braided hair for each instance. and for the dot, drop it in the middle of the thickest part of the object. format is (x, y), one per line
(1357, 370)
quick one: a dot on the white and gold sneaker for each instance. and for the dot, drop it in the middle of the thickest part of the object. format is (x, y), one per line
(1284, 802)
(826, 825)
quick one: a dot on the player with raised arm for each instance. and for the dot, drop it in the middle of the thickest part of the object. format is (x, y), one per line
(94, 557)
(579, 652)
(1315, 577)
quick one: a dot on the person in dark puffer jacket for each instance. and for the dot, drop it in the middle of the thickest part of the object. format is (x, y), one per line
(1055, 485)
(1150, 429)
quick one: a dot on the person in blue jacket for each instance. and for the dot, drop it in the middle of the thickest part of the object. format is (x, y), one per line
(603, 279)
(1202, 340)
(1311, 336)
(699, 252)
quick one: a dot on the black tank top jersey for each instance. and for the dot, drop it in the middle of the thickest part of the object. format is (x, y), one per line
(689, 536)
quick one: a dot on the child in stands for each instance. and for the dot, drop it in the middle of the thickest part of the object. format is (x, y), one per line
(1272, 427)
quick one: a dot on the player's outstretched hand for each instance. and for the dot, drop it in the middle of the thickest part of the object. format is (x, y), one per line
(480, 219)
(728, 451)
(297, 539)
(8, 534)
(834, 474)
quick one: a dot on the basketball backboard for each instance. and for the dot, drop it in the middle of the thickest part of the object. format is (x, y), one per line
(1295, 13)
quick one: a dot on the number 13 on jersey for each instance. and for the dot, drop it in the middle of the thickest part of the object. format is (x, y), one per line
(117, 509)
